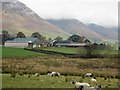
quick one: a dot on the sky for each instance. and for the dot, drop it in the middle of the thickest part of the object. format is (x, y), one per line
(102, 12)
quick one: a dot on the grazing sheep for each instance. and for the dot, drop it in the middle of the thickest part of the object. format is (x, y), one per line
(54, 74)
(86, 86)
(93, 79)
(49, 74)
(36, 74)
(88, 75)
(79, 85)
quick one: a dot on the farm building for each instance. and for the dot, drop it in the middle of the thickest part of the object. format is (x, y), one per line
(67, 43)
(23, 43)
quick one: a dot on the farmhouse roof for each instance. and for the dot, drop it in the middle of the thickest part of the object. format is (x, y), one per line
(24, 40)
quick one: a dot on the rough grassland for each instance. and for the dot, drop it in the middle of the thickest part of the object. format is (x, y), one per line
(18, 52)
(44, 81)
(98, 66)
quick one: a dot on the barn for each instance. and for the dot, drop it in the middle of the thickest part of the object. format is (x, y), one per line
(67, 43)
(23, 43)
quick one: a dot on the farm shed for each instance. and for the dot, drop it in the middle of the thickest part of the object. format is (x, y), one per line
(68, 44)
(23, 43)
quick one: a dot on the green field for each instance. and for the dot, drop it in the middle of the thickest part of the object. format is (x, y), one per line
(18, 52)
(44, 81)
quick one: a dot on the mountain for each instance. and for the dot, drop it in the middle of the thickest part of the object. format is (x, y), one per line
(17, 17)
(74, 26)
(109, 32)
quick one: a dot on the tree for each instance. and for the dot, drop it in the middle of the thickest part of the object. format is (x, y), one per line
(5, 36)
(39, 36)
(58, 38)
(76, 38)
(21, 35)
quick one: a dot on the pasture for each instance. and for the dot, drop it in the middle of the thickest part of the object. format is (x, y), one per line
(17, 60)
(44, 81)
(8, 52)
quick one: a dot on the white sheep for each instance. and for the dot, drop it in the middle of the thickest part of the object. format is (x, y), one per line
(88, 75)
(36, 74)
(79, 85)
(49, 74)
(54, 74)
(93, 79)
(85, 86)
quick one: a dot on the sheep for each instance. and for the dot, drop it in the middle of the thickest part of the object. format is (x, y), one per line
(54, 74)
(93, 79)
(49, 74)
(86, 86)
(79, 85)
(37, 74)
(88, 75)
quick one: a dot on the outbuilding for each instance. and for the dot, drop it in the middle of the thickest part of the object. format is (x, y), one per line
(67, 43)
(23, 43)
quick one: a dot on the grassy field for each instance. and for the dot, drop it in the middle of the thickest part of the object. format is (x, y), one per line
(18, 52)
(8, 52)
(70, 68)
(44, 81)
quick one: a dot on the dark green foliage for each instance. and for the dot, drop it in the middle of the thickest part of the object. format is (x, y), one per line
(38, 35)
(6, 36)
(58, 38)
(21, 35)
(76, 38)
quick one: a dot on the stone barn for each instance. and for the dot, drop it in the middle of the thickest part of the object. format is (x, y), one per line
(23, 43)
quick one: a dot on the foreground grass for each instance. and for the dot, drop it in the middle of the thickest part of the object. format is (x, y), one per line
(18, 52)
(44, 81)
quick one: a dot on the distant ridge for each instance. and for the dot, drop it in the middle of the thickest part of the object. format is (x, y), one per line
(74, 26)
(111, 33)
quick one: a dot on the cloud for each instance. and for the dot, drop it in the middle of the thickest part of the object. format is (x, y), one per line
(103, 12)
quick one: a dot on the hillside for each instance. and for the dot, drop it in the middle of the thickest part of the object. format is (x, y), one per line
(111, 33)
(17, 17)
(74, 26)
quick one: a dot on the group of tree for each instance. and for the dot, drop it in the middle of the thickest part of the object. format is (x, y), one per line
(78, 39)
(74, 38)
(6, 36)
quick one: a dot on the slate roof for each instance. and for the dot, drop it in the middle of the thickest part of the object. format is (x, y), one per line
(23, 40)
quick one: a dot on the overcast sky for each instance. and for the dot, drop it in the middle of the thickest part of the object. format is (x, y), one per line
(102, 12)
